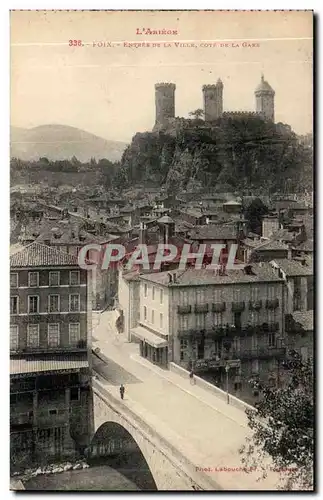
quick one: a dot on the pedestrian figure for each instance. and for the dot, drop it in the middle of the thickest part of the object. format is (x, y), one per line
(122, 390)
(192, 381)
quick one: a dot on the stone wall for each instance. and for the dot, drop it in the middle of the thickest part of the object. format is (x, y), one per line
(171, 470)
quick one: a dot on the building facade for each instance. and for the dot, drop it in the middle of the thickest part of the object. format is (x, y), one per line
(50, 328)
(205, 320)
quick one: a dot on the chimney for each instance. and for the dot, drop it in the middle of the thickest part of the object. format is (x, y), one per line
(289, 252)
(142, 234)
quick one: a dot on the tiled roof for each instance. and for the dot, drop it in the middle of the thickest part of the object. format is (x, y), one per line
(272, 245)
(263, 272)
(305, 319)
(32, 365)
(38, 255)
(306, 246)
(293, 267)
(214, 231)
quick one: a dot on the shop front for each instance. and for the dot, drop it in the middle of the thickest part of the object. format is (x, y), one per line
(152, 346)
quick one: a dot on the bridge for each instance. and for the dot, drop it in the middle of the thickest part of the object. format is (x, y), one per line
(166, 434)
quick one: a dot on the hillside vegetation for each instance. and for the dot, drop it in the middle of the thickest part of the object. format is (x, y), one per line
(243, 152)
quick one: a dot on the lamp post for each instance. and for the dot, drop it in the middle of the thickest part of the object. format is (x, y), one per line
(227, 368)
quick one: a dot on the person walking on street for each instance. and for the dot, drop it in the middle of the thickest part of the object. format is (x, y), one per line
(122, 391)
(192, 381)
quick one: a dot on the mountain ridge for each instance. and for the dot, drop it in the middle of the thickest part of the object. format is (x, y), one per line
(58, 142)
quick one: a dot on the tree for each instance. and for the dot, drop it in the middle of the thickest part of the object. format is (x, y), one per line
(283, 426)
(254, 214)
(197, 114)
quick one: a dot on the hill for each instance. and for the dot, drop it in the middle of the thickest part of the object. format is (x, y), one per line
(241, 152)
(58, 142)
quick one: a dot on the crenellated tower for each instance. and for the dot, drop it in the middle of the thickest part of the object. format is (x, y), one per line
(165, 102)
(265, 100)
(213, 101)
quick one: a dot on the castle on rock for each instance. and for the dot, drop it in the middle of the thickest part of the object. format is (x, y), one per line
(213, 102)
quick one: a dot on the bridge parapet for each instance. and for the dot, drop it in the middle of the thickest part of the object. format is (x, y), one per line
(171, 469)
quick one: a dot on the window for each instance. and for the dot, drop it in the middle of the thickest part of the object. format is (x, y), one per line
(218, 319)
(183, 322)
(74, 277)
(255, 366)
(183, 298)
(217, 296)
(146, 289)
(54, 278)
(74, 333)
(271, 293)
(200, 321)
(14, 337)
(53, 303)
(236, 344)
(33, 304)
(272, 315)
(271, 339)
(74, 302)
(255, 318)
(272, 365)
(53, 335)
(153, 293)
(161, 320)
(254, 293)
(13, 280)
(52, 412)
(161, 296)
(200, 296)
(75, 394)
(152, 316)
(254, 342)
(183, 350)
(236, 295)
(33, 336)
(14, 305)
(145, 313)
(33, 279)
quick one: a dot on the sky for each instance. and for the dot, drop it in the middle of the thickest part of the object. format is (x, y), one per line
(109, 91)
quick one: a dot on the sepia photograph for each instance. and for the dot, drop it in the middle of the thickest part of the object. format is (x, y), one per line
(162, 250)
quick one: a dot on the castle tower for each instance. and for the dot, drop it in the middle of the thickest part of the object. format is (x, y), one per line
(213, 101)
(165, 102)
(265, 97)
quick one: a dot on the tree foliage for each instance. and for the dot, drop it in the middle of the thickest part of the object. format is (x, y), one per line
(254, 214)
(243, 152)
(283, 427)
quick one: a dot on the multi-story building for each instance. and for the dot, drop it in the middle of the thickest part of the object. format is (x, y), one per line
(299, 303)
(50, 325)
(205, 318)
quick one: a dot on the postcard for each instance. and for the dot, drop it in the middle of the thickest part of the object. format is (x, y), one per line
(161, 250)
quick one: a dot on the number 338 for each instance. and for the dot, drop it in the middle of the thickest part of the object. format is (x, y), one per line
(75, 43)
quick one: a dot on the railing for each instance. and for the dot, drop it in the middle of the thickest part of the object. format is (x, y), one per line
(263, 353)
(272, 303)
(238, 306)
(24, 419)
(218, 307)
(80, 346)
(201, 308)
(255, 305)
(184, 309)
